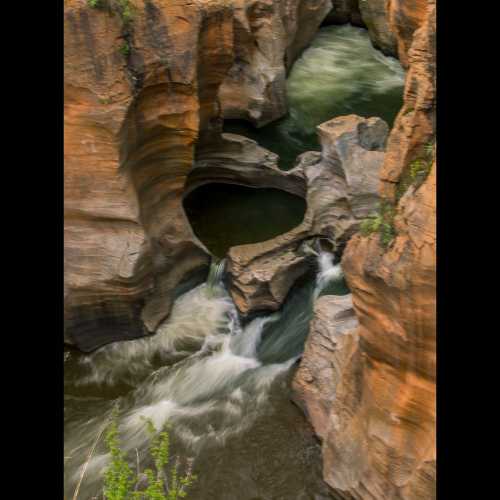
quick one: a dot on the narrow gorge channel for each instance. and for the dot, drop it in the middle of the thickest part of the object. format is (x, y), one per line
(222, 380)
(340, 73)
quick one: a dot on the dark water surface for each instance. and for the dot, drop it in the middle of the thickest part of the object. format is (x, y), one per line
(225, 215)
(339, 74)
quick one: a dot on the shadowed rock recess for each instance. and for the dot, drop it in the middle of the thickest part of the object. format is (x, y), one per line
(145, 101)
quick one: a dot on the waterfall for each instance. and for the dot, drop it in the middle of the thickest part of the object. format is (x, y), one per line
(328, 272)
(216, 273)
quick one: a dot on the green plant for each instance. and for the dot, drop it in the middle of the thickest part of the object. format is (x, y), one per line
(121, 483)
(429, 149)
(118, 477)
(382, 223)
(125, 10)
(417, 171)
(95, 4)
(125, 49)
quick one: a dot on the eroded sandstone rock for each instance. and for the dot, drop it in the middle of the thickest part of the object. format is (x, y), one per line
(379, 428)
(136, 99)
(330, 345)
(268, 37)
(344, 11)
(376, 17)
(141, 107)
(340, 186)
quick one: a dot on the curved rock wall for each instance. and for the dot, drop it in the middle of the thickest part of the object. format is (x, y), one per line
(340, 187)
(136, 97)
(268, 37)
(344, 11)
(378, 410)
(142, 104)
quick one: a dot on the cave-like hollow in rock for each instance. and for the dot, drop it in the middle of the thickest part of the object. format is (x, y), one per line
(226, 215)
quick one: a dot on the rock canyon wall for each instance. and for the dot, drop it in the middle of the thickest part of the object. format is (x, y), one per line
(369, 391)
(136, 99)
(145, 91)
(145, 96)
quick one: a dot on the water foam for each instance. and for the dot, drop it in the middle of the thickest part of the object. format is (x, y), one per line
(216, 392)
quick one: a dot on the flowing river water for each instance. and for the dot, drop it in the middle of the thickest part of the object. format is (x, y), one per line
(340, 73)
(221, 385)
(224, 386)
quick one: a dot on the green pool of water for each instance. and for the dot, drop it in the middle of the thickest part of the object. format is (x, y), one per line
(339, 74)
(226, 215)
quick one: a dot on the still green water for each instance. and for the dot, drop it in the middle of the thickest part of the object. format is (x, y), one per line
(339, 74)
(226, 215)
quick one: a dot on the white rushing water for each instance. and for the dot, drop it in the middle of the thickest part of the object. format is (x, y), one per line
(328, 272)
(339, 73)
(203, 372)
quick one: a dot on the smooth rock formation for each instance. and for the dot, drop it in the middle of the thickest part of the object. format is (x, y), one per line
(340, 186)
(235, 159)
(376, 17)
(330, 345)
(136, 99)
(268, 36)
(143, 105)
(378, 420)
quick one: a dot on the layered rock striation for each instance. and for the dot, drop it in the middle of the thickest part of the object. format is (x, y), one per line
(137, 100)
(146, 89)
(376, 414)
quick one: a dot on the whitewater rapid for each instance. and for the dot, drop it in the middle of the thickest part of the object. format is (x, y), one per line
(203, 372)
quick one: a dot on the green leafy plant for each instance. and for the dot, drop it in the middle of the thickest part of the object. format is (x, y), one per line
(417, 171)
(429, 149)
(95, 4)
(118, 477)
(121, 483)
(125, 10)
(125, 49)
(382, 223)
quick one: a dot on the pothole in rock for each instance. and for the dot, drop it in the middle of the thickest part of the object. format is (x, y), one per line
(227, 215)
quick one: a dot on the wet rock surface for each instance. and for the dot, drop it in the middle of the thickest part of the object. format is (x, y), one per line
(331, 343)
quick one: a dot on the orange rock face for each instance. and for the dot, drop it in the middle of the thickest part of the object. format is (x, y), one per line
(143, 98)
(137, 96)
(378, 431)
